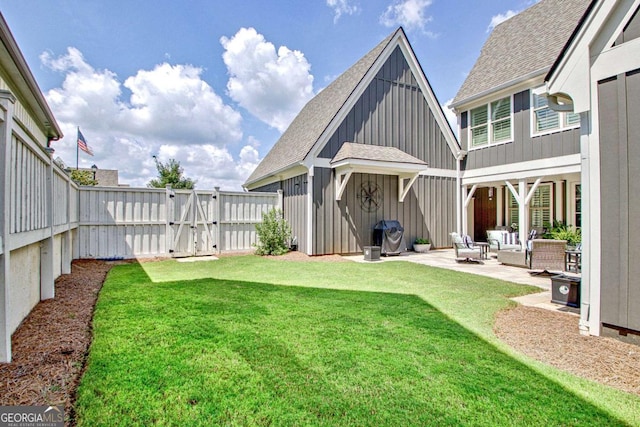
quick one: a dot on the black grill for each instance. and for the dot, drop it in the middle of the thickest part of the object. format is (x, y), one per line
(389, 235)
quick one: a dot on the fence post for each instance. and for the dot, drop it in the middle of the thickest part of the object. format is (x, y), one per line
(168, 215)
(47, 286)
(281, 200)
(7, 101)
(217, 220)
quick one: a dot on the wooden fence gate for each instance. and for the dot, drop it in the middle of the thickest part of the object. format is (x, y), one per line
(125, 222)
(193, 223)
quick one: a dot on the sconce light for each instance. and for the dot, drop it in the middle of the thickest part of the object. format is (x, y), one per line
(490, 193)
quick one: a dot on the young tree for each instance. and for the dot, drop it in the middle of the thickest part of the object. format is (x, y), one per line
(170, 173)
(83, 177)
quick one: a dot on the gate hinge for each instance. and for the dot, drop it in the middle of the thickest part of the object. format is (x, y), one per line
(171, 223)
(214, 246)
(214, 222)
(170, 251)
(214, 196)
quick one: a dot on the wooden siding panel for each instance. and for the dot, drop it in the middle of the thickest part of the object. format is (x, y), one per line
(428, 211)
(392, 111)
(524, 147)
(613, 279)
(633, 135)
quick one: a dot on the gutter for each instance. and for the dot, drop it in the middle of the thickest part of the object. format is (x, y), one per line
(498, 88)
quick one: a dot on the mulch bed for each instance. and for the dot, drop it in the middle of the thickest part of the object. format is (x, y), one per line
(51, 345)
(553, 338)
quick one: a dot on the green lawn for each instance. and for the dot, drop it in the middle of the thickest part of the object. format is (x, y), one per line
(252, 341)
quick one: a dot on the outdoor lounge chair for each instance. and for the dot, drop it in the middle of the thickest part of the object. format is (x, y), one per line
(465, 252)
(547, 255)
(502, 240)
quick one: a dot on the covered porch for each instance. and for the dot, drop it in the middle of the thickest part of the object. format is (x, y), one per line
(520, 202)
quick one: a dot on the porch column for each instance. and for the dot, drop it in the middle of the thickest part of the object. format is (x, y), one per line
(500, 207)
(558, 204)
(523, 212)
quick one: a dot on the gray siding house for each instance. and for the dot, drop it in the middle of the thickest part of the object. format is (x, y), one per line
(522, 166)
(598, 76)
(372, 145)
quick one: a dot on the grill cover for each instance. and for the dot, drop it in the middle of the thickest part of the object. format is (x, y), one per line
(389, 235)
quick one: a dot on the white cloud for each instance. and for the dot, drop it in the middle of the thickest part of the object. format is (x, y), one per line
(451, 116)
(342, 7)
(500, 18)
(410, 14)
(171, 113)
(273, 86)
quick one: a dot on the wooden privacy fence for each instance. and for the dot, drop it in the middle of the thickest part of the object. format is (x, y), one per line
(123, 222)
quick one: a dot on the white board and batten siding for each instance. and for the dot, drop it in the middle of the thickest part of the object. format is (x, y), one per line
(145, 222)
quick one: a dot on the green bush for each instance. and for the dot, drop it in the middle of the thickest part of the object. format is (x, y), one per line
(562, 231)
(274, 234)
(422, 241)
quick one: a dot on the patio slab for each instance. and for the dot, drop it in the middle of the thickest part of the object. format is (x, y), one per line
(445, 258)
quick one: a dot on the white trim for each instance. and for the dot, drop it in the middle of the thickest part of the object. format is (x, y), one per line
(379, 167)
(551, 166)
(399, 40)
(341, 179)
(310, 211)
(508, 87)
(616, 60)
(442, 173)
(562, 116)
(403, 189)
(469, 195)
(280, 175)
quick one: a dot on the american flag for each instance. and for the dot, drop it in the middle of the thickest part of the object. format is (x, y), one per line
(82, 144)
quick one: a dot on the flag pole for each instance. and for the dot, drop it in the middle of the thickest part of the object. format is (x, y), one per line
(77, 149)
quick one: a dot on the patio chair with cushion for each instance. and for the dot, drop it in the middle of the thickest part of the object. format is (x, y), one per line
(502, 240)
(547, 255)
(464, 248)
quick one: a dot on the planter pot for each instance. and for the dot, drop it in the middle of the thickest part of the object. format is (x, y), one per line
(422, 247)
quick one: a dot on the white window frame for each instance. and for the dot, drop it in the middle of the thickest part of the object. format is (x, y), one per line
(489, 125)
(515, 208)
(562, 117)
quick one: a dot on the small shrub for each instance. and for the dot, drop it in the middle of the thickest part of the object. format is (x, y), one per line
(562, 231)
(274, 234)
(422, 241)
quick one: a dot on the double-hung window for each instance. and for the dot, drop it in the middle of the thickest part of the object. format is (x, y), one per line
(491, 123)
(540, 208)
(545, 120)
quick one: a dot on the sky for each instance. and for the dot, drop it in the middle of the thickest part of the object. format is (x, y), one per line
(212, 83)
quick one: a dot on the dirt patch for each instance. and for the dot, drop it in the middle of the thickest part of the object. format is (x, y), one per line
(553, 338)
(51, 344)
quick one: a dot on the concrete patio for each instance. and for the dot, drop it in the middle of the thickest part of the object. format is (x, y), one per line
(445, 258)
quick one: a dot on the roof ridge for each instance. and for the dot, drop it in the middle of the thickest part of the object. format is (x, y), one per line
(307, 127)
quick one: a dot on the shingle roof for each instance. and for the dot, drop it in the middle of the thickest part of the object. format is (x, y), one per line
(305, 130)
(350, 150)
(523, 45)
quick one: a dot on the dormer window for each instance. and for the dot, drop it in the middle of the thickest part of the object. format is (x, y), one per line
(544, 120)
(491, 123)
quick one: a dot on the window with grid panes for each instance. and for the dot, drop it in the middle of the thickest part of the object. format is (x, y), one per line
(539, 208)
(490, 123)
(545, 119)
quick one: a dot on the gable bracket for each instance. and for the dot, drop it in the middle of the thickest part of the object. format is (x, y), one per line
(403, 186)
(341, 179)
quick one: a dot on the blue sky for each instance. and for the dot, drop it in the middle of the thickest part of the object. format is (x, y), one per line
(214, 83)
